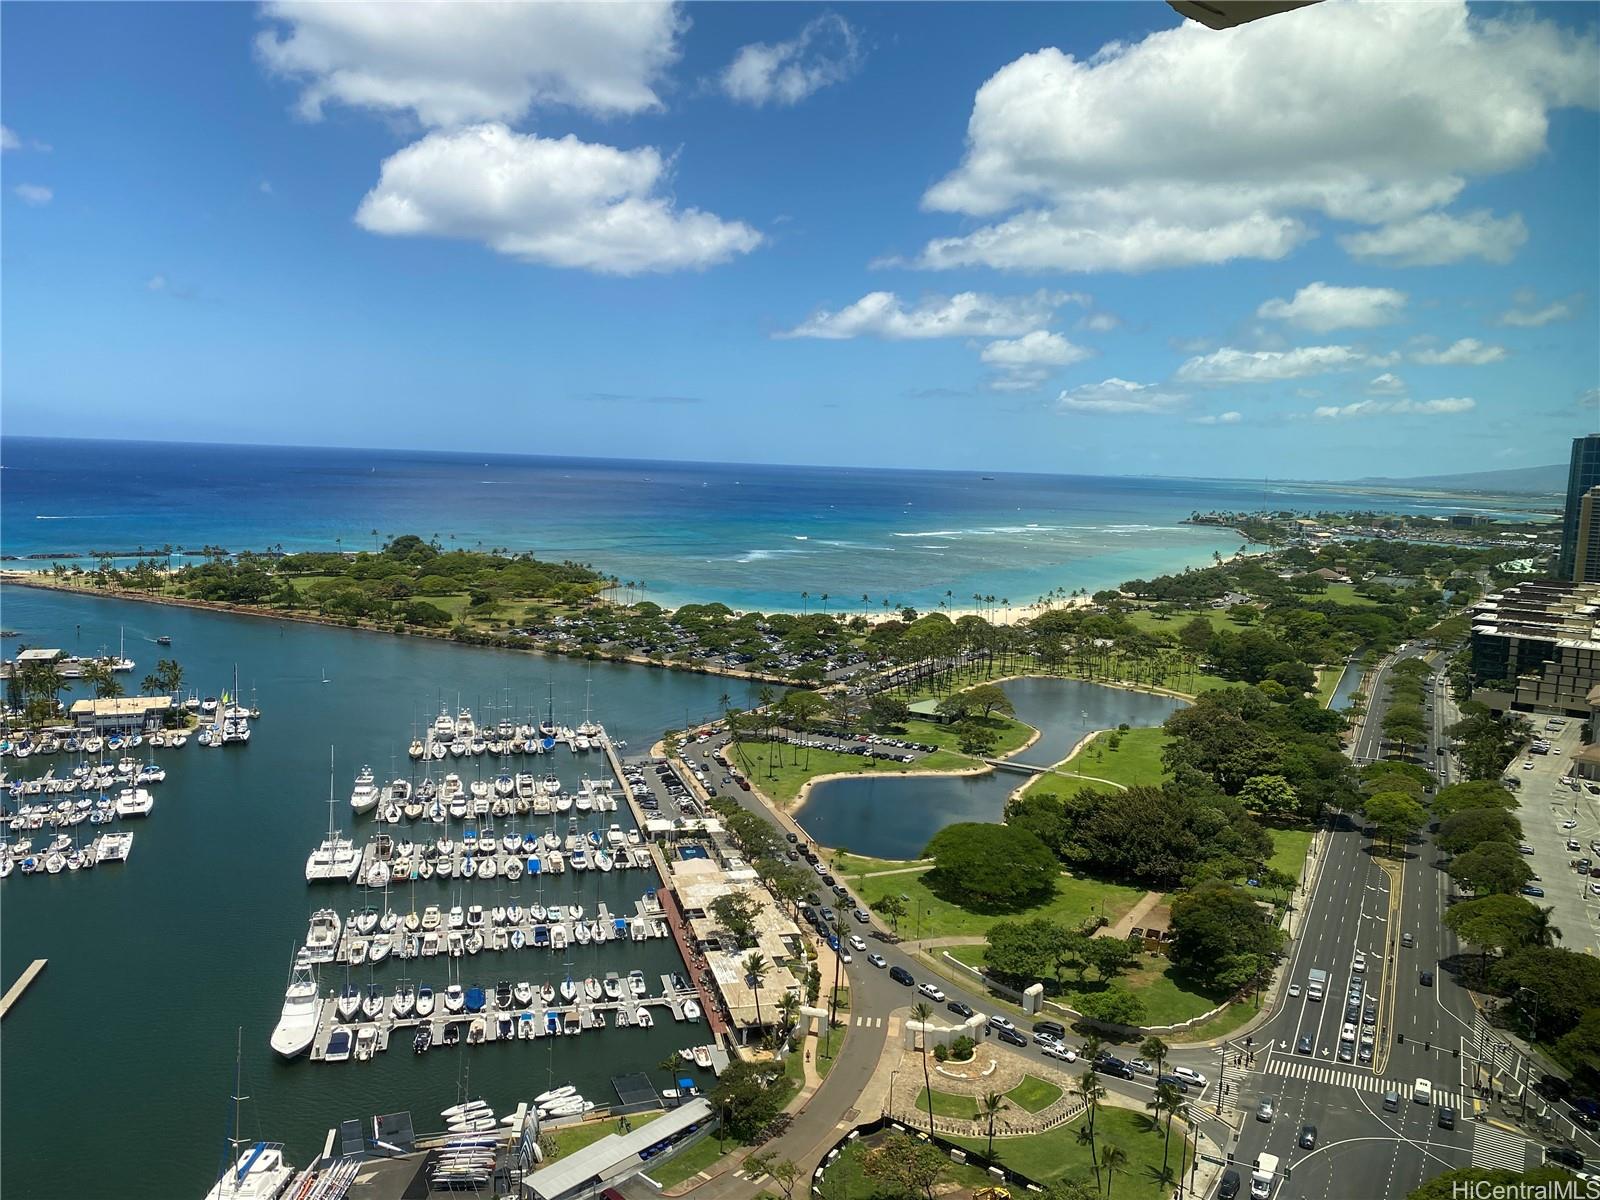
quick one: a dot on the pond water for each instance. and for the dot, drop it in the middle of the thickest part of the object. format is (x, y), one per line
(893, 816)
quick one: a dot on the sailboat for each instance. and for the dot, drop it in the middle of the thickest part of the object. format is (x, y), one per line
(337, 857)
(257, 1172)
(235, 716)
(297, 1026)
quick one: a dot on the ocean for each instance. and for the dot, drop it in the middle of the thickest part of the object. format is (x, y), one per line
(751, 536)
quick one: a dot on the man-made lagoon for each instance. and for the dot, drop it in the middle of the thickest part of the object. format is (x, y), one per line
(893, 816)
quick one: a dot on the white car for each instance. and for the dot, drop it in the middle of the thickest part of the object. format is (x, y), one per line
(1569, 823)
(931, 992)
(844, 955)
(1190, 1075)
(857, 942)
(1062, 1052)
(1360, 964)
(1294, 991)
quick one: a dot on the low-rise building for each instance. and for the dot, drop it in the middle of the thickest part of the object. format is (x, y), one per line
(697, 883)
(617, 1156)
(121, 714)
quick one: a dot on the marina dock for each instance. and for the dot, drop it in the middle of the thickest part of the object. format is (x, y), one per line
(490, 1022)
(14, 992)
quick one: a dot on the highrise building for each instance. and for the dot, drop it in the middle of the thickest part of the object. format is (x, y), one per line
(1586, 553)
(1583, 474)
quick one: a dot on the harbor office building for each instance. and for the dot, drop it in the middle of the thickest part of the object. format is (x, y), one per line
(1536, 647)
(121, 714)
(617, 1156)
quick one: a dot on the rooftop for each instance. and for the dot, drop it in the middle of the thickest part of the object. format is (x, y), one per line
(601, 1159)
(121, 706)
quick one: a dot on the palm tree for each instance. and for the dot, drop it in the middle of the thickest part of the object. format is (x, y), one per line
(789, 1007)
(805, 601)
(1156, 1050)
(922, 1014)
(1088, 1087)
(1540, 931)
(990, 1107)
(1111, 1157)
(755, 974)
(1166, 1099)
(824, 603)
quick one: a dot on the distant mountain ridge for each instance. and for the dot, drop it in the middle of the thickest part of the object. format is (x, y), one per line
(1547, 480)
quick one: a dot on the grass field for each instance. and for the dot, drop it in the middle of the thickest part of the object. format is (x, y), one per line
(578, 1136)
(1345, 593)
(1010, 733)
(1149, 621)
(1136, 761)
(1034, 1094)
(1047, 1157)
(791, 777)
(1167, 998)
(948, 1104)
(845, 863)
(828, 1045)
(1327, 681)
(689, 1162)
(928, 915)
(845, 1180)
(1289, 850)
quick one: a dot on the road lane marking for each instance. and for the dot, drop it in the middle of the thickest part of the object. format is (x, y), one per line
(1494, 1148)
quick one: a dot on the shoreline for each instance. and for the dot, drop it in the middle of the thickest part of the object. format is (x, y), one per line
(270, 614)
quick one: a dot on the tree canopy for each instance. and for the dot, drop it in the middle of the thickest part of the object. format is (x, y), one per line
(994, 867)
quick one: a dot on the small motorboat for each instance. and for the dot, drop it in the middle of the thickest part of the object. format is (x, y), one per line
(642, 1018)
(455, 998)
(424, 1040)
(691, 1010)
(424, 1001)
(338, 1046)
(702, 1057)
(366, 1042)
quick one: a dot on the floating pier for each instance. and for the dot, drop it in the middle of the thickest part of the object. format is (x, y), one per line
(493, 1023)
(14, 993)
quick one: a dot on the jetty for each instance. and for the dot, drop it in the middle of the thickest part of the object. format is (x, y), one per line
(14, 992)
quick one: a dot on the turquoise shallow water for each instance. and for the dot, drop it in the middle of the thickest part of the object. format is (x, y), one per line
(119, 1060)
(752, 536)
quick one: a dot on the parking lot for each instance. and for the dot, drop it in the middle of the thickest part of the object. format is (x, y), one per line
(1557, 811)
(658, 789)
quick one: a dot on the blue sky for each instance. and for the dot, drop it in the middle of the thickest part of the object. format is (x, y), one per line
(1079, 238)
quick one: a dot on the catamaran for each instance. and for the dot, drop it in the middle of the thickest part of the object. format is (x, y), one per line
(337, 857)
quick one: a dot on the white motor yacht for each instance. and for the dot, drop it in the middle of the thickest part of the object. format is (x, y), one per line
(297, 1025)
(365, 796)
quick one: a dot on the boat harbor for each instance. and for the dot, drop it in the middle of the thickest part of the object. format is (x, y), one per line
(461, 931)
(355, 1025)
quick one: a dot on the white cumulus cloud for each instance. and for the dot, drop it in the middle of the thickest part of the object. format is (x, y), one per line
(1026, 362)
(1193, 146)
(557, 201)
(1467, 352)
(826, 51)
(1533, 318)
(1437, 239)
(1387, 384)
(1373, 408)
(1229, 365)
(450, 64)
(1119, 396)
(1323, 307)
(965, 314)
(36, 194)
(1221, 418)
(8, 139)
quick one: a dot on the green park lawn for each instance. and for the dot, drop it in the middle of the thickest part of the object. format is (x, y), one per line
(845, 1180)
(1009, 733)
(928, 915)
(1152, 622)
(791, 776)
(828, 1046)
(1168, 999)
(1289, 850)
(692, 1161)
(578, 1136)
(1344, 593)
(1136, 761)
(1328, 680)
(948, 1104)
(1034, 1094)
(845, 863)
(1047, 1157)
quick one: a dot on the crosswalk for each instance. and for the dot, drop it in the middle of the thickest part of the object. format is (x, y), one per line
(1495, 1148)
(1360, 1081)
(869, 1022)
